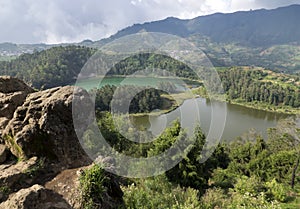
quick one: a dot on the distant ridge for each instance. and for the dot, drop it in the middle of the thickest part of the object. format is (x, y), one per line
(252, 28)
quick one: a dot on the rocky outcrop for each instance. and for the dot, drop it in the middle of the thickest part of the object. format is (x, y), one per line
(37, 143)
(43, 126)
(13, 172)
(35, 197)
(41, 158)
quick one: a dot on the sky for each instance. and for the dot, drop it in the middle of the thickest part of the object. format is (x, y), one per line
(61, 21)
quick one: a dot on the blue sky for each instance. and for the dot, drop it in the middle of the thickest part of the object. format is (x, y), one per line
(56, 21)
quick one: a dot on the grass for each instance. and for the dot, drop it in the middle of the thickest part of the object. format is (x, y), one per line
(15, 146)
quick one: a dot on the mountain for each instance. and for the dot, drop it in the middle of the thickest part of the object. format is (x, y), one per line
(250, 28)
(12, 50)
(263, 38)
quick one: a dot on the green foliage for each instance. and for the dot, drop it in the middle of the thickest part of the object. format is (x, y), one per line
(252, 202)
(252, 185)
(152, 61)
(4, 190)
(277, 191)
(13, 144)
(92, 187)
(32, 171)
(50, 68)
(215, 198)
(141, 100)
(254, 85)
(190, 172)
(166, 140)
(157, 192)
(248, 173)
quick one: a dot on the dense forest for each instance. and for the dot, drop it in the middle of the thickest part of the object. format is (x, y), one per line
(246, 173)
(152, 61)
(249, 85)
(57, 66)
(142, 100)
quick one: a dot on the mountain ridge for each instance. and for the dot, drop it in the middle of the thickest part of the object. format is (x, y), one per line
(268, 27)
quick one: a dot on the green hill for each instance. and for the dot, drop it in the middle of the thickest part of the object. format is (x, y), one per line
(49, 68)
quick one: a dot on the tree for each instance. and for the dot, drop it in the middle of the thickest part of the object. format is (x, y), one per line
(287, 133)
(190, 172)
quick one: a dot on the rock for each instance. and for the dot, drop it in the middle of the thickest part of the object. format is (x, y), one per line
(43, 126)
(35, 197)
(38, 127)
(9, 85)
(67, 184)
(3, 153)
(12, 94)
(10, 174)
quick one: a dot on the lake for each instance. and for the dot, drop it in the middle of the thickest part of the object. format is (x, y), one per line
(239, 119)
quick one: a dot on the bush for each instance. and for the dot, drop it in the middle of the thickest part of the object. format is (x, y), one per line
(251, 185)
(157, 192)
(277, 191)
(92, 187)
(215, 198)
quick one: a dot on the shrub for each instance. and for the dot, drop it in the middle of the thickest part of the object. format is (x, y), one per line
(277, 191)
(92, 187)
(157, 192)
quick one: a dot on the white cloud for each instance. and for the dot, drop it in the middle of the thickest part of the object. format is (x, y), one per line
(54, 21)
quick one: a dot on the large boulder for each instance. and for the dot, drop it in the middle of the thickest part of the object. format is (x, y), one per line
(43, 126)
(35, 197)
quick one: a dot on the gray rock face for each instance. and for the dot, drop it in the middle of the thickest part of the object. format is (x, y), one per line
(42, 126)
(35, 197)
(10, 85)
(15, 175)
(37, 128)
(12, 94)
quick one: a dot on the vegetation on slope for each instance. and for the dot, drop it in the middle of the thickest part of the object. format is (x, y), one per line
(57, 66)
(261, 87)
(246, 173)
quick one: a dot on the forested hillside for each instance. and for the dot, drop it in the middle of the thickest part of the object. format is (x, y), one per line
(155, 62)
(57, 66)
(278, 58)
(253, 85)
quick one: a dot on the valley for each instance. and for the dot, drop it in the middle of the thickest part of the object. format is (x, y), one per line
(146, 131)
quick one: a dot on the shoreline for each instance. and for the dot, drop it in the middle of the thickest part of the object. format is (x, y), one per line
(181, 97)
